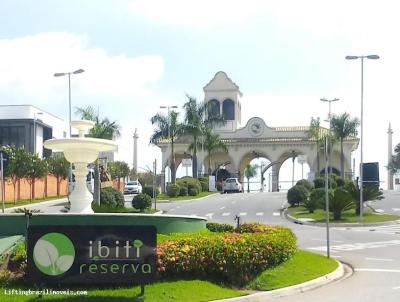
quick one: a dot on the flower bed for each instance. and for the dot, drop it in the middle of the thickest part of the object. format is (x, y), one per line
(234, 258)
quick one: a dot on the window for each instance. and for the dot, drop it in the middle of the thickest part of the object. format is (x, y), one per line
(228, 110)
(12, 136)
(213, 108)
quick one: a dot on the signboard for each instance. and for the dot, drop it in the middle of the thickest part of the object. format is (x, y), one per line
(302, 159)
(91, 254)
(4, 158)
(186, 162)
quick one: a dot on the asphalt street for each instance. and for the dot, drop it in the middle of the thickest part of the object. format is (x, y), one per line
(372, 251)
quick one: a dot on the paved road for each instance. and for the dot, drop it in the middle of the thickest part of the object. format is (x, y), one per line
(373, 252)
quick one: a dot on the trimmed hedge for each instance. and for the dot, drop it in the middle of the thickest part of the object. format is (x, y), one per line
(305, 183)
(297, 194)
(204, 183)
(173, 190)
(219, 227)
(149, 191)
(141, 202)
(193, 192)
(183, 191)
(111, 197)
(189, 182)
(228, 257)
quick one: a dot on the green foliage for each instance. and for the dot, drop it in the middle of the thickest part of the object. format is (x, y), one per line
(394, 163)
(305, 183)
(149, 191)
(370, 193)
(111, 197)
(204, 184)
(193, 192)
(297, 194)
(340, 181)
(317, 197)
(146, 178)
(58, 165)
(183, 191)
(319, 182)
(118, 169)
(219, 227)
(342, 201)
(189, 182)
(228, 257)
(173, 190)
(141, 202)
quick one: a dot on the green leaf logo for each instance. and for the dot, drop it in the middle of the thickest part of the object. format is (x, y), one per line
(53, 254)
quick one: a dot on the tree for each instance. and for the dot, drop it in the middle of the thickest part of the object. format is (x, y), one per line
(59, 167)
(341, 201)
(250, 172)
(394, 163)
(197, 118)
(36, 168)
(17, 169)
(343, 127)
(314, 132)
(370, 193)
(211, 143)
(118, 170)
(104, 129)
(167, 127)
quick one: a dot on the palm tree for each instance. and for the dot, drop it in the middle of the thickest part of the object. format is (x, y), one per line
(197, 118)
(314, 132)
(343, 127)
(103, 128)
(394, 163)
(250, 172)
(168, 128)
(211, 144)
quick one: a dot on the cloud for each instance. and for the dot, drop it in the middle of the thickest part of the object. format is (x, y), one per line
(29, 63)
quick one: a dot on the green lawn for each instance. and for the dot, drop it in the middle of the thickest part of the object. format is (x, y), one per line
(304, 266)
(179, 198)
(347, 217)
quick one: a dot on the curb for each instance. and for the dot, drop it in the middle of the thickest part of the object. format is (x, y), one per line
(64, 199)
(186, 200)
(339, 274)
(323, 224)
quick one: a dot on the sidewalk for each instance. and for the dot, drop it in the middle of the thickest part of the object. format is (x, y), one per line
(49, 206)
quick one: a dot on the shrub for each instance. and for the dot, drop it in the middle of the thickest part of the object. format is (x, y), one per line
(219, 227)
(204, 184)
(317, 198)
(341, 201)
(173, 190)
(319, 182)
(107, 197)
(226, 257)
(149, 191)
(297, 194)
(256, 227)
(305, 183)
(189, 182)
(193, 192)
(340, 181)
(141, 202)
(183, 191)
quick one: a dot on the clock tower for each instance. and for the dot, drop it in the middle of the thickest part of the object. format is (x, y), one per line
(224, 98)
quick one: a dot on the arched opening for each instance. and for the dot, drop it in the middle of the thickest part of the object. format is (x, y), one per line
(259, 182)
(214, 108)
(291, 171)
(228, 110)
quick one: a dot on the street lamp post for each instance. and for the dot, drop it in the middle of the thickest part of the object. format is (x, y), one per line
(293, 158)
(34, 130)
(371, 57)
(168, 125)
(61, 74)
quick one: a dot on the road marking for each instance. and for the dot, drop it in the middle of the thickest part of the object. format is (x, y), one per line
(243, 214)
(226, 214)
(358, 246)
(209, 214)
(378, 259)
(172, 210)
(396, 209)
(377, 270)
(396, 287)
(260, 214)
(233, 202)
(221, 208)
(276, 214)
(178, 207)
(379, 210)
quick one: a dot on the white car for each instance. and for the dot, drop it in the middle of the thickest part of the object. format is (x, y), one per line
(231, 185)
(133, 187)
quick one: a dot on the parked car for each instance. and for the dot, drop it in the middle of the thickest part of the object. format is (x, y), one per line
(231, 185)
(133, 187)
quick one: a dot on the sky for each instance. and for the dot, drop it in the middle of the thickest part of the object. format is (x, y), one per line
(140, 54)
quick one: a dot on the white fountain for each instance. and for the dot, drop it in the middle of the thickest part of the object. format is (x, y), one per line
(81, 151)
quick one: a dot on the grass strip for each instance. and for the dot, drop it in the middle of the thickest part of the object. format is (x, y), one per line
(304, 266)
(180, 198)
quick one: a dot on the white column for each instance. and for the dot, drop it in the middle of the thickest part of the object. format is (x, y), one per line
(390, 148)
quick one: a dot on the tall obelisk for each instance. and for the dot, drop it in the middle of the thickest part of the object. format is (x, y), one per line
(135, 139)
(390, 148)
